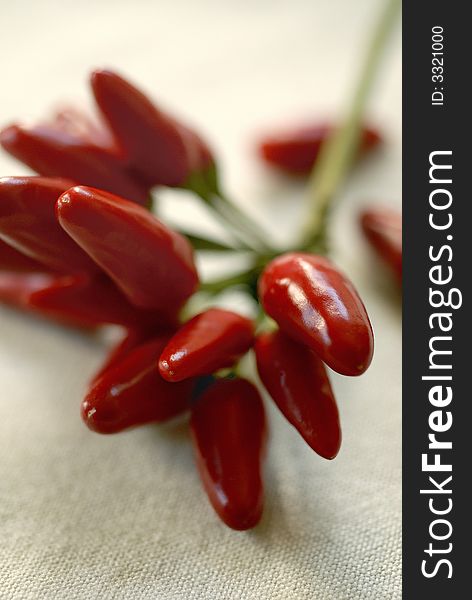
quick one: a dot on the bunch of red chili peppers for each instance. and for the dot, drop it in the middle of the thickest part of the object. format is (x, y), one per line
(78, 244)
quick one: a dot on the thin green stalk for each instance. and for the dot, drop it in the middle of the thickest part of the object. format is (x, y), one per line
(240, 221)
(219, 285)
(247, 277)
(243, 228)
(338, 151)
(203, 243)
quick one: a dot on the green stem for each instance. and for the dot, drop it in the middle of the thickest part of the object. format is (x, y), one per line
(241, 238)
(203, 243)
(240, 221)
(219, 285)
(338, 151)
(247, 233)
(247, 278)
(264, 322)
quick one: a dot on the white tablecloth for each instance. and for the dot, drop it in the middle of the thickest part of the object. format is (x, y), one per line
(84, 516)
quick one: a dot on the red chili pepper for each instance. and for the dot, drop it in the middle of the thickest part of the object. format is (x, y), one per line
(316, 305)
(14, 261)
(76, 301)
(299, 384)
(16, 288)
(295, 151)
(63, 148)
(212, 340)
(93, 302)
(28, 223)
(159, 148)
(131, 340)
(80, 126)
(132, 393)
(151, 264)
(229, 431)
(383, 229)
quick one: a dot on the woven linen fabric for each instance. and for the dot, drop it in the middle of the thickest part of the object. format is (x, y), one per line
(84, 516)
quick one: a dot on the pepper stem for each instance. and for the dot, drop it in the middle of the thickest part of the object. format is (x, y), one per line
(338, 151)
(243, 278)
(247, 233)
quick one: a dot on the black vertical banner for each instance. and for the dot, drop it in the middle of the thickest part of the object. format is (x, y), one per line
(437, 256)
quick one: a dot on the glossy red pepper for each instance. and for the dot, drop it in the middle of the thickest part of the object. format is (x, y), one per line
(383, 229)
(299, 384)
(229, 431)
(159, 148)
(68, 146)
(295, 151)
(210, 341)
(132, 393)
(14, 261)
(316, 305)
(151, 264)
(28, 223)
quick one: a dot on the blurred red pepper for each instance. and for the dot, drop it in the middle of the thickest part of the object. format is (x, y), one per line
(159, 149)
(16, 288)
(28, 223)
(73, 122)
(383, 229)
(76, 301)
(299, 384)
(316, 305)
(151, 264)
(93, 302)
(68, 146)
(295, 151)
(14, 261)
(229, 432)
(131, 392)
(210, 341)
(71, 288)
